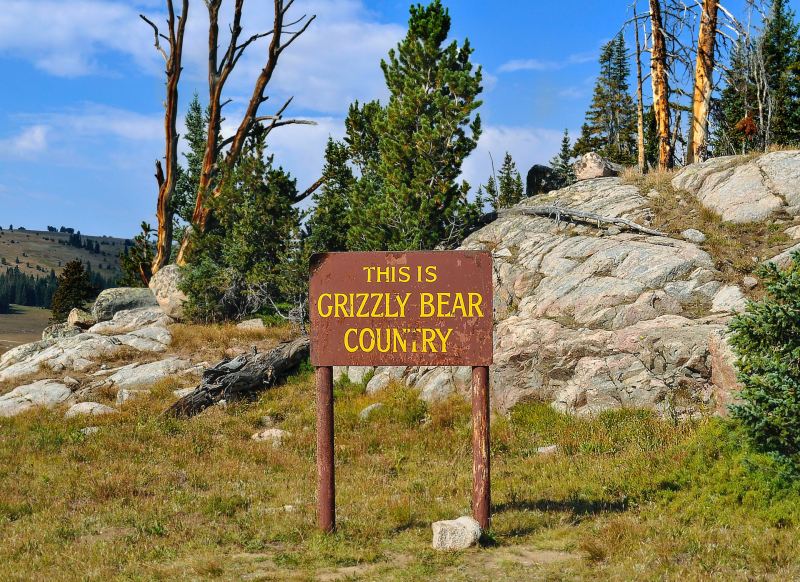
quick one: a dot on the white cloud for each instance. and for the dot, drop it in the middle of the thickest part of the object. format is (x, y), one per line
(28, 142)
(546, 65)
(527, 145)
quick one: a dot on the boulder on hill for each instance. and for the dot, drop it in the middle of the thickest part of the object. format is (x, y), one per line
(164, 285)
(745, 189)
(110, 301)
(80, 318)
(593, 165)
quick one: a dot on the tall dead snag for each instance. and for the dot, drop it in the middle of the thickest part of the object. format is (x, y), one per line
(642, 163)
(703, 83)
(166, 175)
(219, 70)
(660, 82)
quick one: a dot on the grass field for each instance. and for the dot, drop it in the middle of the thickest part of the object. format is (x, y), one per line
(23, 325)
(626, 497)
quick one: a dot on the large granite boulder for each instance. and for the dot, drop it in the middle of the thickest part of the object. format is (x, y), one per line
(591, 321)
(743, 189)
(593, 165)
(117, 299)
(46, 393)
(164, 285)
(131, 319)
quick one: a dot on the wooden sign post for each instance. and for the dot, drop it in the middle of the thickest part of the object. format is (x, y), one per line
(426, 308)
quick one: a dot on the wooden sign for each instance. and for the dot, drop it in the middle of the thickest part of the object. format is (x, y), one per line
(423, 308)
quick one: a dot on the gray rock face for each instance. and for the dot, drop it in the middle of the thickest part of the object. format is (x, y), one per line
(164, 285)
(59, 331)
(80, 318)
(78, 353)
(784, 259)
(256, 323)
(591, 323)
(133, 319)
(744, 191)
(117, 299)
(88, 409)
(593, 165)
(455, 534)
(46, 393)
(138, 375)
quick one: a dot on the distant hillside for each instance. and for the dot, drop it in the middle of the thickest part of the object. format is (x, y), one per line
(36, 252)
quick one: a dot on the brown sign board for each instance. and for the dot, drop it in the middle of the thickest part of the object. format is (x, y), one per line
(420, 308)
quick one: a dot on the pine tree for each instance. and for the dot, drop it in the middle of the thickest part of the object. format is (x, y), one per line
(409, 197)
(781, 52)
(186, 187)
(491, 193)
(562, 162)
(610, 127)
(330, 221)
(510, 189)
(136, 259)
(74, 290)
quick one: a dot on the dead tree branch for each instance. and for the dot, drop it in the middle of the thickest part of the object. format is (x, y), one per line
(558, 212)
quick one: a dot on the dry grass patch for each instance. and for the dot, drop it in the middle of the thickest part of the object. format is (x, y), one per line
(211, 342)
(737, 249)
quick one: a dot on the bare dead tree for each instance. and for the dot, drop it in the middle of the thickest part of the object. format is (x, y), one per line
(703, 82)
(281, 36)
(639, 98)
(660, 85)
(166, 175)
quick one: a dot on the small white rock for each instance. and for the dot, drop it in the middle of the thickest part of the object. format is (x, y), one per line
(749, 282)
(90, 408)
(89, 430)
(793, 232)
(276, 436)
(456, 534)
(693, 235)
(256, 323)
(365, 414)
(548, 450)
(613, 230)
(182, 392)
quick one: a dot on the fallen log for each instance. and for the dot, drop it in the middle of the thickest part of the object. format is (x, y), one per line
(558, 212)
(242, 377)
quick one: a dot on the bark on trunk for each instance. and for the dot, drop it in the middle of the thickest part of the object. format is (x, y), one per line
(660, 81)
(242, 377)
(167, 175)
(639, 100)
(703, 76)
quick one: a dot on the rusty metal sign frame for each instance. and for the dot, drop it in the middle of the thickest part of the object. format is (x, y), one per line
(338, 277)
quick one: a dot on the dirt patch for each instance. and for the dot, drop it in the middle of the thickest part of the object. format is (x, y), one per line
(23, 325)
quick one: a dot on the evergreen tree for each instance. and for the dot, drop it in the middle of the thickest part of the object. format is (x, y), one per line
(562, 162)
(74, 290)
(610, 127)
(329, 222)
(186, 186)
(137, 257)
(766, 339)
(781, 52)
(407, 196)
(510, 189)
(237, 265)
(492, 195)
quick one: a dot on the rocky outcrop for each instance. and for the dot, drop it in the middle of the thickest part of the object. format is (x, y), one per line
(81, 352)
(743, 189)
(590, 320)
(44, 393)
(132, 319)
(88, 409)
(80, 318)
(164, 285)
(117, 299)
(59, 331)
(593, 165)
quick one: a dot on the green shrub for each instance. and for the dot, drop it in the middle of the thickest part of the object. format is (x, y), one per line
(766, 339)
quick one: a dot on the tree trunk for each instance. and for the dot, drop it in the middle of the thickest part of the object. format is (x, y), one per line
(166, 176)
(703, 83)
(639, 100)
(660, 81)
(242, 377)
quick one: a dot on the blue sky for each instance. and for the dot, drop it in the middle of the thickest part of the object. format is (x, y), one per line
(81, 115)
